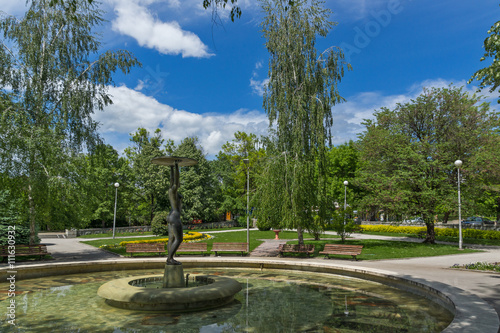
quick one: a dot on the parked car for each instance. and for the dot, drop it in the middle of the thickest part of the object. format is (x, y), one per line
(477, 220)
(415, 220)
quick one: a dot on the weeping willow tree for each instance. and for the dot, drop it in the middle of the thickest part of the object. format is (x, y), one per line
(56, 80)
(300, 94)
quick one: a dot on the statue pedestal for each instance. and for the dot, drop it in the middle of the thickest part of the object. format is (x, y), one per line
(173, 277)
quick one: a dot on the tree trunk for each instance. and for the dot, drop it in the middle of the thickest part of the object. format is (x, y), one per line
(431, 236)
(300, 235)
(445, 217)
(32, 211)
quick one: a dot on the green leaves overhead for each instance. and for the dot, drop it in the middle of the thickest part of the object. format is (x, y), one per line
(57, 80)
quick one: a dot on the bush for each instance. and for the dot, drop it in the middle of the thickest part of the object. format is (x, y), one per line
(446, 232)
(22, 235)
(159, 225)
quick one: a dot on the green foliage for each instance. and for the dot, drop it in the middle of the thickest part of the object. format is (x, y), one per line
(232, 171)
(49, 62)
(198, 187)
(22, 235)
(159, 225)
(342, 223)
(407, 154)
(299, 97)
(150, 181)
(488, 76)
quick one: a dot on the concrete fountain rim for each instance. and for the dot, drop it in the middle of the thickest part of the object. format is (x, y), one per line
(472, 314)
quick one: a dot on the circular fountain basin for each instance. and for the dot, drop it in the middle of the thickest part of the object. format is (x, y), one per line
(126, 294)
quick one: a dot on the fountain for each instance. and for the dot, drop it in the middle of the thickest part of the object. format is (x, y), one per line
(175, 295)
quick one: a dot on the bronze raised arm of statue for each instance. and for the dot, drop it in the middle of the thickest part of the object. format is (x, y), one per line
(175, 234)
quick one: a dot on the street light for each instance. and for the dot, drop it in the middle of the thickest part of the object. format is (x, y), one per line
(345, 197)
(114, 217)
(247, 162)
(458, 164)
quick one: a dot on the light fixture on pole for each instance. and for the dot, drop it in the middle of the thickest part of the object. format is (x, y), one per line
(458, 164)
(345, 198)
(114, 217)
(247, 162)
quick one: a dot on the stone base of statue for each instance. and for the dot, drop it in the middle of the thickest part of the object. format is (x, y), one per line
(173, 277)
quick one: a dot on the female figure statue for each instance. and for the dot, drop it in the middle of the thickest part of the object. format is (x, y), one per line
(175, 234)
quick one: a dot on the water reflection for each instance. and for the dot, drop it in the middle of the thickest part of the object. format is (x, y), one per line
(273, 301)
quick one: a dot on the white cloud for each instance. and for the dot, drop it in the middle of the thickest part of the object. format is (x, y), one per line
(349, 115)
(135, 20)
(132, 109)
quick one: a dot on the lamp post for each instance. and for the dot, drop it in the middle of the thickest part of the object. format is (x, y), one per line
(114, 217)
(247, 162)
(458, 164)
(345, 198)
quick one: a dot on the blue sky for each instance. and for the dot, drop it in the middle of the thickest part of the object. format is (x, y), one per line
(205, 80)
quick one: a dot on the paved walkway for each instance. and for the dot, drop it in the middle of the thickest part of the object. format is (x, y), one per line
(485, 285)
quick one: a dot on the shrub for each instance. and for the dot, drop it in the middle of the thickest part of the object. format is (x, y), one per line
(159, 225)
(22, 235)
(446, 232)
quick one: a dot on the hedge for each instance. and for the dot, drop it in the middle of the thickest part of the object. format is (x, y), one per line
(448, 232)
(189, 236)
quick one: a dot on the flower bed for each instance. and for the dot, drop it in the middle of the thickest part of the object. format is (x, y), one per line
(189, 236)
(449, 232)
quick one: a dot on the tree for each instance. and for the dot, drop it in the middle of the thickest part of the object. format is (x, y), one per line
(197, 185)
(342, 165)
(299, 97)
(150, 180)
(488, 76)
(56, 79)
(233, 170)
(407, 154)
(221, 4)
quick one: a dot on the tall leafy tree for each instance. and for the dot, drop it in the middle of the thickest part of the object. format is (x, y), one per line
(150, 180)
(197, 185)
(407, 154)
(57, 80)
(302, 89)
(233, 170)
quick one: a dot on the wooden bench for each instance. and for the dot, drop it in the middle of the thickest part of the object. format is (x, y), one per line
(145, 248)
(229, 247)
(296, 248)
(350, 250)
(25, 250)
(193, 247)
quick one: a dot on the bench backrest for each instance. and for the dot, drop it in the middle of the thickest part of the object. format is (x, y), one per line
(229, 246)
(192, 247)
(26, 249)
(343, 248)
(153, 247)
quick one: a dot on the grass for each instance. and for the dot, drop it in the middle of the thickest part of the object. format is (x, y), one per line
(372, 249)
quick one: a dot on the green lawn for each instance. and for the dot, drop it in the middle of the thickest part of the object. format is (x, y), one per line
(372, 250)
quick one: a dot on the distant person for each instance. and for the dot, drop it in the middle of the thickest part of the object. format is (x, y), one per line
(175, 233)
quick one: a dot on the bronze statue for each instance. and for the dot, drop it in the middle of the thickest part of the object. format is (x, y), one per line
(175, 234)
